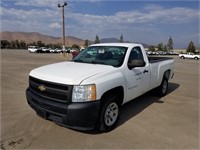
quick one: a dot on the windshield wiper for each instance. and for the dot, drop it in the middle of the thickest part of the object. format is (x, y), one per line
(97, 62)
(93, 62)
(79, 61)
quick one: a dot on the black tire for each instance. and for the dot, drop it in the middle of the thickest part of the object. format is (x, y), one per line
(182, 57)
(163, 88)
(109, 114)
(196, 58)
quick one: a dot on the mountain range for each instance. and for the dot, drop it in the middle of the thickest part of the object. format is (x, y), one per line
(30, 37)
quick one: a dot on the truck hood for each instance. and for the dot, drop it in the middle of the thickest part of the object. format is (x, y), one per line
(71, 73)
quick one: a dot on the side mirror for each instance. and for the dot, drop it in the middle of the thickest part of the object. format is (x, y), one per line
(136, 63)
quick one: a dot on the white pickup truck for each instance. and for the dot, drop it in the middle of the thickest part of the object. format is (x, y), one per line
(34, 49)
(189, 55)
(88, 92)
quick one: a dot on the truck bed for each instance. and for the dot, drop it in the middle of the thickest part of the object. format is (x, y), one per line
(158, 59)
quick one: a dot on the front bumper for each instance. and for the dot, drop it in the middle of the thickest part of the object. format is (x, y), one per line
(80, 116)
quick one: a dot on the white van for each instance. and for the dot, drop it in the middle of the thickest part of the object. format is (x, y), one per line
(33, 49)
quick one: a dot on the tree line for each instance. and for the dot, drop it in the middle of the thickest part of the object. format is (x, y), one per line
(16, 44)
(162, 47)
(169, 47)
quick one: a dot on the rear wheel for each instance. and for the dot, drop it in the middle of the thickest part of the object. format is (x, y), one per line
(109, 114)
(162, 89)
(182, 57)
(196, 58)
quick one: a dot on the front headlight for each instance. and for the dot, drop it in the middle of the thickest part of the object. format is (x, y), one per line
(84, 93)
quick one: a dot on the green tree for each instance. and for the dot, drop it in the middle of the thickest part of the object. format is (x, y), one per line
(22, 44)
(40, 44)
(50, 45)
(97, 39)
(191, 48)
(13, 44)
(160, 47)
(5, 44)
(152, 48)
(17, 45)
(33, 44)
(170, 44)
(75, 46)
(165, 48)
(121, 39)
(58, 45)
(86, 43)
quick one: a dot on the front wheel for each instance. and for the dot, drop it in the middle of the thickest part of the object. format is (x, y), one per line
(109, 114)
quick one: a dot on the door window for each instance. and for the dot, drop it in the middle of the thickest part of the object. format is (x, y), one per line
(136, 54)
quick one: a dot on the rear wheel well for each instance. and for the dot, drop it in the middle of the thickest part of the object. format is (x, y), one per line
(167, 74)
(118, 91)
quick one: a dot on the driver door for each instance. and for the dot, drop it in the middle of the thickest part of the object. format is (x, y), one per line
(138, 78)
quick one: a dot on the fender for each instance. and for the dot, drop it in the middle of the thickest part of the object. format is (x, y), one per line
(107, 81)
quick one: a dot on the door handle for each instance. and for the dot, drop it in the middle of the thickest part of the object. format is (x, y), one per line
(145, 71)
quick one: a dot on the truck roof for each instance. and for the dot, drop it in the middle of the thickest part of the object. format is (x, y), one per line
(116, 44)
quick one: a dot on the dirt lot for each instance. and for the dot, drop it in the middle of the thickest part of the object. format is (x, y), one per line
(148, 122)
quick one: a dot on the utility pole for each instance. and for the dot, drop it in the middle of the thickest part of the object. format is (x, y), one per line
(63, 22)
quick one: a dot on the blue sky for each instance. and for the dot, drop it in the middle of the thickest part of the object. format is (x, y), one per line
(145, 21)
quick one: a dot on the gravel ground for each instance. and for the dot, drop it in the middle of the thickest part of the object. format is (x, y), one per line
(148, 122)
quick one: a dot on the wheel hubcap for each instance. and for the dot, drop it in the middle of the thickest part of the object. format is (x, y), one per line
(164, 89)
(111, 114)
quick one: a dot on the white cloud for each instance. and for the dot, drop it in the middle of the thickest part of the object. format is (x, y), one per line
(138, 23)
(39, 3)
(31, 15)
(152, 13)
(55, 25)
(174, 15)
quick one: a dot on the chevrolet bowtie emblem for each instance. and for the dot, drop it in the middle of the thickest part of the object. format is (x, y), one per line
(42, 88)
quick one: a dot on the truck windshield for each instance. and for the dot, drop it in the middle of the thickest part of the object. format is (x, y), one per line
(107, 55)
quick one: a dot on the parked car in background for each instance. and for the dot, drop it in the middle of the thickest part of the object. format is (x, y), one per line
(189, 55)
(162, 53)
(75, 53)
(152, 53)
(34, 49)
(73, 50)
(57, 50)
(82, 49)
(52, 50)
(45, 50)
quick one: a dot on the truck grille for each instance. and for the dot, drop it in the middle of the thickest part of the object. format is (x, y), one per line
(56, 92)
